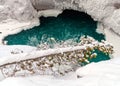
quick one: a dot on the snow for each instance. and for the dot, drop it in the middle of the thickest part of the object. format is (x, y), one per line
(34, 54)
(6, 55)
(13, 26)
(114, 39)
(1, 76)
(104, 73)
(6, 50)
(105, 67)
(100, 28)
(15, 54)
(49, 13)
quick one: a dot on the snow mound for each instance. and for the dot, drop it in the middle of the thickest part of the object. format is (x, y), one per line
(106, 73)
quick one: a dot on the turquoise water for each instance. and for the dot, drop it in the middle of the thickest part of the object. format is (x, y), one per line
(68, 25)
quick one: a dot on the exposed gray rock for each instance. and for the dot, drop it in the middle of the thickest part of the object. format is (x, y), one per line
(107, 12)
(43, 4)
(16, 9)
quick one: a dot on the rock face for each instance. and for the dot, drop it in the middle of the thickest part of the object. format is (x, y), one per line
(16, 9)
(106, 12)
(43, 4)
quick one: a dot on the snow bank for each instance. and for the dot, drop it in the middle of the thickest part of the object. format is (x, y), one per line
(1, 76)
(106, 73)
(13, 27)
(49, 13)
(104, 68)
(21, 56)
(114, 39)
(6, 51)
(35, 54)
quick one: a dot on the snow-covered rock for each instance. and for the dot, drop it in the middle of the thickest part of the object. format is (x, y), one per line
(106, 73)
(16, 9)
(23, 13)
(105, 11)
(100, 69)
(27, 13)
(7, 50)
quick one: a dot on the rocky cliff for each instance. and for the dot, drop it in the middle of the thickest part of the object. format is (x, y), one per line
(106, 12)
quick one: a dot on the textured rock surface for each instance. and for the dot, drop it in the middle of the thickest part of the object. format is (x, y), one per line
(107, 12)
(16, 9)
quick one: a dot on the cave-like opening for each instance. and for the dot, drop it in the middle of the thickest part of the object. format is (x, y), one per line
(68, 25)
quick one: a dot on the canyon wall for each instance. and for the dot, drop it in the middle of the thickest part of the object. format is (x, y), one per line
(106, 12)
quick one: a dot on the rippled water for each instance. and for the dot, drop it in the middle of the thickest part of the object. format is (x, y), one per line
(70, 25)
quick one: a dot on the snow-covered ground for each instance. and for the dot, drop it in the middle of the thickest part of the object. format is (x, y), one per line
(13, 27)
(104, 73)
(115, 40)
(6, 51)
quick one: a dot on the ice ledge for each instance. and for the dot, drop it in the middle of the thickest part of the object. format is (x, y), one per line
(49, 13)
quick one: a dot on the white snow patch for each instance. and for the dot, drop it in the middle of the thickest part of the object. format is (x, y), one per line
(106, 73)
(114, 39)
(6, 51)
(50, 13)
(12, 27)
(34, 54)
(100, 28)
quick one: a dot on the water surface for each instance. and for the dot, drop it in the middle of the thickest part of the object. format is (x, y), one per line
(68, 25)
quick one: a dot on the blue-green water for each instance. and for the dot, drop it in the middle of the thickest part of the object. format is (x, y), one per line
(70, 24)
